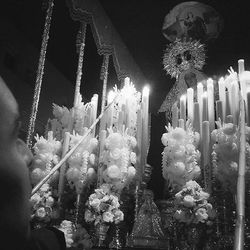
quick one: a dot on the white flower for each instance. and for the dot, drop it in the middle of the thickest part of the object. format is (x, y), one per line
(164, 139)
(115, 153)
(92, 159)
(178, 134)
(179, 215)
(201, 215)
(108, 217)
(119, 216)
(35, 198)
(40, 212)
(95, 203)
(131, 172)
(45, 187)
(133, 157)
(179, 168)
(49, 201)
(229, 128)
(188, 201)
(114, 172)
(88, 216)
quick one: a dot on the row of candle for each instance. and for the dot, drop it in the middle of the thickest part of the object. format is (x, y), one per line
(206, 110)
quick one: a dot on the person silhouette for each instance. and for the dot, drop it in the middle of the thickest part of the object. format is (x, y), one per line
(15, 187)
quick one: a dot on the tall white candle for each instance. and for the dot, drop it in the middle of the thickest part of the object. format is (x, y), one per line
(196, 124)
(204, 107)
(199, 98)
(190, 104)
(183, 101)
(206, 155)
(111, 96)
(235, 101)
(139, 142)
(175, 116)
(222, 97)
(219, 112)
(145, 119)
(94, 102)
(241, 66)
(210, 96)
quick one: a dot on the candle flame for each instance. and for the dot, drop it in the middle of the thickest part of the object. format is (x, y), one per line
(221, 80)
(209, 81)
(183, 98)
(204, 94)
(145, 91)
(126, 80)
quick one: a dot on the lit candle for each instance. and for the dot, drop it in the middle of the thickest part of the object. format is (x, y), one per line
(219, 112)
(175, 115)
(235, 101)
(145, 120)
(139, 142)
(222, 96)
(210, 99)
(181, 123)
(241, 66)
(94, 102)
(126, 80)
(183, 100)
(199, 98)
(196, 124)
(248, 108)
(245, 83)
(111, 96)
(190, 104)
(204, 107)
(228, 108)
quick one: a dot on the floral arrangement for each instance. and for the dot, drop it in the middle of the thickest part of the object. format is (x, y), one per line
(103, 206)
(225, 154)
(60, 123)
(46, 154)
(43, 205)
(82, 162)
(75, 236)
(192, 205)
(63, 118)
(118, 159)
(180, 156)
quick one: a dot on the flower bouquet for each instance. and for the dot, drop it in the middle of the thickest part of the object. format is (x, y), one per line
(76, 237)
(180, 156)
(118, 159)
(225, 155)
(102, 210)
(193, 213)
(192, 205)
(43, 206)
(103, 206)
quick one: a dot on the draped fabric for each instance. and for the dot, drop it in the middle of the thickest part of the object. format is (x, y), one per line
(107, 39)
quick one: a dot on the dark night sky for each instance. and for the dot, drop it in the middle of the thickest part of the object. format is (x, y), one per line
(139, 23)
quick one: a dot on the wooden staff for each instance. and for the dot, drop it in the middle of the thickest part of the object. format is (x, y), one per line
(240, 199)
